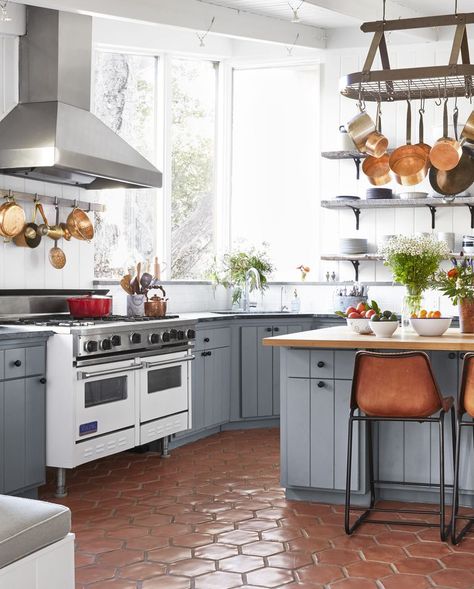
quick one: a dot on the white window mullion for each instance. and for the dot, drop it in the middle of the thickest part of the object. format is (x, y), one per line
(167, 118)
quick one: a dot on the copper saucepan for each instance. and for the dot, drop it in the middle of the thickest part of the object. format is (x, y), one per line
(377, 169)
(359, 128)
(12, 218)
(31, 236)
(409, 163)
(468, 131)
(446, 152)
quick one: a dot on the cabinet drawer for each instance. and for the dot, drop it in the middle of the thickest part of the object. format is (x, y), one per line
(15, 363)
(35, 360)
(322, 364)
(344, 364)
(212, 338)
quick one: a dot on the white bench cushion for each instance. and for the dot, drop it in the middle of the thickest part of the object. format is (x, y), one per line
(27, 525)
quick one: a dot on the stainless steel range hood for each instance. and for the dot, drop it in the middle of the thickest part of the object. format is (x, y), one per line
(51, 135)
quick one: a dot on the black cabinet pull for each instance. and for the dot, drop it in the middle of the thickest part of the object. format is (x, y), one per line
(320, 384)
(451, 355)
(17, 363)
(320, 364)
(43, 380)
(203, 354)
(209, 353)
(268, 329)
(276, 329)
(206, 340)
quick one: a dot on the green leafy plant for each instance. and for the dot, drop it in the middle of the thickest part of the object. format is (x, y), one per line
(234, 266)
(456, 283)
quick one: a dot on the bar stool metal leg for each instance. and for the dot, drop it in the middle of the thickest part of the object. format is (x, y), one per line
(442, 502)
(455, 537)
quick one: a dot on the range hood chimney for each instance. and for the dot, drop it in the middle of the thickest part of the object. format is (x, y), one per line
(51, 135)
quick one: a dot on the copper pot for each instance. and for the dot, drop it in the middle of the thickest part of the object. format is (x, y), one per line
(31, 236)
(12, 219)
(359, 128)
(446, 152)
(468, 131)
(79, 225)
(377, 170)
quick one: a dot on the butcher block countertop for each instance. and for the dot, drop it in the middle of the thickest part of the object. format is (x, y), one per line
(343, 338)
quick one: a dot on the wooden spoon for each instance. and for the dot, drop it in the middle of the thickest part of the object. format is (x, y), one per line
(125, 283)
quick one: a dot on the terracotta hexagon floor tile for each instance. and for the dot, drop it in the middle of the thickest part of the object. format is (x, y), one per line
(406, 582)
(157, 519)
(241, 563)
(340, 556)
(428, 549)
(214, 527)
(308, 544)
(192, 518)
(216, 551)
(262, 548)
(299, 585)
(458, 561)
(322, 573)
(284, 534)
(291, 559)
(167, 583)
(169, 554)
(171, 530)
(324, 531)
(192, 567)
(82, 559)
(354, 584)
(418, 565)
(369, 569)
(126, 533)
(118, 558)
(100, 545)
(113, 584)
(354, 542)
(238, 537)
(234, 515)
(269, 577)
(142, 570)
(396, 538)
(218, 580)
(456, 578)
(193, 540)
(384, 553)
(257, 525)
(147, 543)
(93, 573)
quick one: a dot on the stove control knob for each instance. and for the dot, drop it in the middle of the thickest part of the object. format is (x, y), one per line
(166, 336)
(135, 338)
(116, 340)
(106, 344)
(173, 334)
(91, 346)
(191, 334)
(154, 338)
(181, 335)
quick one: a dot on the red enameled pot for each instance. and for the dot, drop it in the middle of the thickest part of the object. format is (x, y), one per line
(89, 306)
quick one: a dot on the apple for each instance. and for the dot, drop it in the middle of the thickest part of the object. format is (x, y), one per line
(350, 310)
(361, 307)
(355, 315)
(370, 313)
(363, 313)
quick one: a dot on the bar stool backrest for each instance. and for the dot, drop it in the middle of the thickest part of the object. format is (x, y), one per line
(395, 385)
(466, 394)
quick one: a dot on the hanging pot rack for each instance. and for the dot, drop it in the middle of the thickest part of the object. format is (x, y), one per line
(431, 82)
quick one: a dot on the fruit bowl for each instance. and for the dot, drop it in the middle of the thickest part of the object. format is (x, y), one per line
(431, 326)
(360, 326)
(384, 328)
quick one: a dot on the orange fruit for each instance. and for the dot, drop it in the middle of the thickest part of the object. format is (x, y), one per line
(423, 313)
(437, 314)
(430, 315)
(414, 316)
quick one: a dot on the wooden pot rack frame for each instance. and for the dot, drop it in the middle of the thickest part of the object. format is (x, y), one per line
(53, 200)
(389, 85)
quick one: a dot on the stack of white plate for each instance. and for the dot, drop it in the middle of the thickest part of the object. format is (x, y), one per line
(352, 245)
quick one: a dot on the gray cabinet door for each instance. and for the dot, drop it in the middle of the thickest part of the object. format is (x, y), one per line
(256, 372)
(197, 392)
(322, 434)
(298, 432)
(342, 398)
(217, 387)
(35, 423)
(280, 330)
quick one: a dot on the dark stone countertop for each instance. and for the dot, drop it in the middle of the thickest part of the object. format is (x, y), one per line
(9, 333)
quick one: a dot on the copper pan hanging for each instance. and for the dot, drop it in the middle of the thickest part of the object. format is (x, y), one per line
(377, 169)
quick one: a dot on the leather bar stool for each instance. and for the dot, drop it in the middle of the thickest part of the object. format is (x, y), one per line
(465, 408)
(395, 387)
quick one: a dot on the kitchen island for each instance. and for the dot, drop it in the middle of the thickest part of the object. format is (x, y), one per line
(316, 377)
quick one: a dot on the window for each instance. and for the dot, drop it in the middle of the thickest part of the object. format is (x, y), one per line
(193, 133)
(274, 161)
(125, 99)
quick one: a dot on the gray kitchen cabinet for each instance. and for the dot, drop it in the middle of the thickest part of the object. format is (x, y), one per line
(22, 418)
(260, 369)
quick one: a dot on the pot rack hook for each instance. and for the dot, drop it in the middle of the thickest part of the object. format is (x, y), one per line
(74, 203)
(36, 198)
(384, 2)
(438, 100)
(456, 7)
(361, 104)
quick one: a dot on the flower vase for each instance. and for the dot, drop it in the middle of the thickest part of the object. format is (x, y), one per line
(412, 305)
(466, 315)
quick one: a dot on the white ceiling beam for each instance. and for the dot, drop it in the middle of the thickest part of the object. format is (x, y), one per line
(195, 15)
(363, 11)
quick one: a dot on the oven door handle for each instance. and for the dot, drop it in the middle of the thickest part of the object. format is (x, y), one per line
(83, 375)
(169, 362)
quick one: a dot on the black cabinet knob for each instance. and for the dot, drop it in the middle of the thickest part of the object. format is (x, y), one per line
(451, 355)
(320, 384)
(268, 329)
(209, 353)
(203, 354)
(206, 340)
(276, 329)
(17, 363)
(43, 380)
(320, 364)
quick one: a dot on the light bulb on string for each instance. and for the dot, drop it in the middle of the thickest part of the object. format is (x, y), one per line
(294, 10)
(4, 17)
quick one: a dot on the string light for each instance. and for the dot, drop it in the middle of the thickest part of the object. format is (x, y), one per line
(3, 12)
(202, 36)
(294, 10)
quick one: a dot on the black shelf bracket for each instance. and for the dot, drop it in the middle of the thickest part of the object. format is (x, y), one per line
(433, 215)
(471, 210)
(356, 212)
(357, 161)
(356, 265)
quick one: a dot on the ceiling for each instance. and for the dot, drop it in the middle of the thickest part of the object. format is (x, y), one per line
(312, 15)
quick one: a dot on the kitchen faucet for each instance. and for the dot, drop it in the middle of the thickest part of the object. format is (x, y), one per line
(247, 305)
(282, 306)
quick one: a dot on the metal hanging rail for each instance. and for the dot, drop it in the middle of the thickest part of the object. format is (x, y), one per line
(52, 200)
(390, 85)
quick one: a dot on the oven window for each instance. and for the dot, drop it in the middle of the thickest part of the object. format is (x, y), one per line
(109, 390)
(163, 379)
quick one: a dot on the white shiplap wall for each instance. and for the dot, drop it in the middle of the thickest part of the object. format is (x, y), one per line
(338, 177)
(30, 268)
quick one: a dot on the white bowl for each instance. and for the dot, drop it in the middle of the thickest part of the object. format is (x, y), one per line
(431, 327)
(384, 328)
(360, 326)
